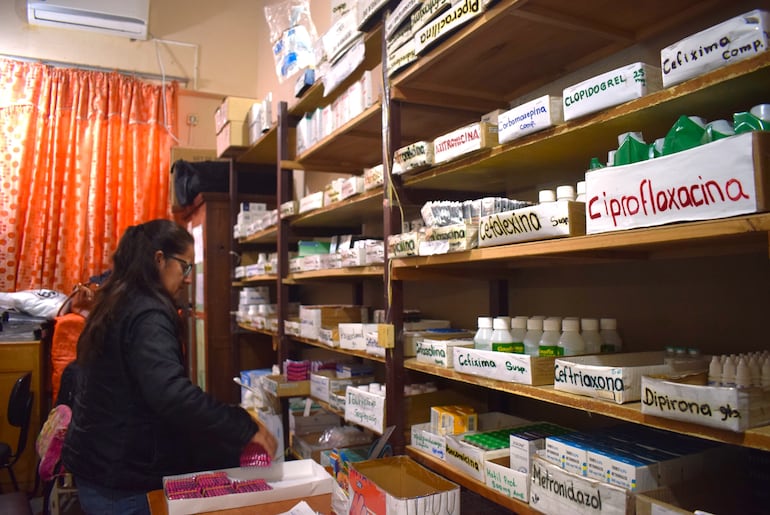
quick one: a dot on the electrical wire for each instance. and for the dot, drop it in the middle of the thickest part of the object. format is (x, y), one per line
(163, 92)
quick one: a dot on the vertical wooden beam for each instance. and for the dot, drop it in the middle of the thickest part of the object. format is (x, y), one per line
(235, 351)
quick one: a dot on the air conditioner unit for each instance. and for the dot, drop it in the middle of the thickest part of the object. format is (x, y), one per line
(126, 18)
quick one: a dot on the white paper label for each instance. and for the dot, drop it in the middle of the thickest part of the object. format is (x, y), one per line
(731, 41)
(512, 368)
(365, 409)
(715, 180)
(462, 141)
(526, 224)
(533, 116)
(460, 13)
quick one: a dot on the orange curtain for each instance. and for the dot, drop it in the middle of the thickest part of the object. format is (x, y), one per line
(83, 155)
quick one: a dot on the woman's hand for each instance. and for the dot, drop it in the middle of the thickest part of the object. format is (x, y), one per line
(265, 438)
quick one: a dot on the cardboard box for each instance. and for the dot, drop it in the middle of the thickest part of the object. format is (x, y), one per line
(233, 134)
(533, 116)
(460, 13)
(400, 486)
(323, 382)
(439, 352)
(554, 491)
(613, 377)
(701, 495)
(540, 222)
(450, 238)
(500, 477)
(527, 440)
(368, 409)
(317, 422)
(732, 409)
(724, 178)
(610, 89)
(232, 109)
(504, 366)
(412, 157)
(463, 141)
(314, 317)
(311, 202)
(352, 336)
(278, 386)
(404, 245)
(731, 41)
(469, 459)
(290, 481)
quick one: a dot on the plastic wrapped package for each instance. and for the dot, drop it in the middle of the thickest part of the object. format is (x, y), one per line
(292, 36)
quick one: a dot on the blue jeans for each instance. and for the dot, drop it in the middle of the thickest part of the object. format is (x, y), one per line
(98, 500)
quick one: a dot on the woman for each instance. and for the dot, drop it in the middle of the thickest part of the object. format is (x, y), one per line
(137, 417)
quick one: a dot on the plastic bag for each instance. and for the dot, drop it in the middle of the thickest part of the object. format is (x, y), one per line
(39, 303)
(292, 36)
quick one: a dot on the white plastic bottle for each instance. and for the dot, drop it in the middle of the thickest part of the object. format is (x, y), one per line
(715, 371)
(581, 192)
(591, 335)
(549, 342)
(532, 338)
(482, 338)
(519, 331)
(611, 341)
(501, 340)
(728, 371)
(570, 341)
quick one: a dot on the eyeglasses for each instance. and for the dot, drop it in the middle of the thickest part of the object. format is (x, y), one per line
(186, 267)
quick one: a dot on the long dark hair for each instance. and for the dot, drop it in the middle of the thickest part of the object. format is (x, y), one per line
(134, 272)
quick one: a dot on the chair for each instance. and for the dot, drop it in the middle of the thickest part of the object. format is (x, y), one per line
(19, 413)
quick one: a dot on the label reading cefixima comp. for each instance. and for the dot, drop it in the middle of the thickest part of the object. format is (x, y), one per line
(731, 41)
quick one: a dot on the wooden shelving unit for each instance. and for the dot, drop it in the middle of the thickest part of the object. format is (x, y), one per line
(336, 274)
(347, 352)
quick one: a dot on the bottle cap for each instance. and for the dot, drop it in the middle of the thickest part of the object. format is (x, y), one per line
(500, 324)
(608, 323)
(565, 192)
(589, 324)
(761, 111)
(570, 324)
(636, 135)
(534, 324)
(485, 322)
(581, 188)
(546, 196)
(552, 324)
(519, 322)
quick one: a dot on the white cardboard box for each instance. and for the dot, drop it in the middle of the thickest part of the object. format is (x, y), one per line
(504, 366)
(439, 352)
(554, 491)
(412, 157)
(500, 477)
(400, 486)
(427, 441)
(540, 222)
(536, 115)
(460, 13)
(610, 89)
(731, 41)
(450, 238)
(464, 140)
(732, 409)
(352, 336)
(724, 178)
(312, 201)
(298, 479)
(404, 244)
(613, 377)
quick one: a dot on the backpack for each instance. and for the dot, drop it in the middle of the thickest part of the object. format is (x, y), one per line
(51, 440)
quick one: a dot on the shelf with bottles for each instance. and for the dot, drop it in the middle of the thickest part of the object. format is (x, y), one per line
(545, 156)
(515, 47)
(252, 329)
(758, 438)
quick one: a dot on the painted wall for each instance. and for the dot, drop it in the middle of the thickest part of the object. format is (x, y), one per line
(223, 47)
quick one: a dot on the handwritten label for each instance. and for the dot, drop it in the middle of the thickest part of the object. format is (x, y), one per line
(610, 89)
(716, 180)
(510, 483)
(365, 409)
(731, 41)
(539, 222)
(463, 141)
(515, 368)
(459, 14)
(533, 116)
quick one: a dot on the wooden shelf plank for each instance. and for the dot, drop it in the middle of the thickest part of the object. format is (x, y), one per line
(264, 150)
(336, 274)
(559, 37)
(356, 210)
(269, 235)
(254, 279)
(758, 438)
(551, 154)
(357, 353)
(443, 468)
(253, 329)
(751, 228)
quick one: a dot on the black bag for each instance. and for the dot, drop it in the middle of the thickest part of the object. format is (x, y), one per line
(192, 178)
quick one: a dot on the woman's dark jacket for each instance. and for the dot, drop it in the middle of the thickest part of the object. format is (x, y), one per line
(137, 416)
